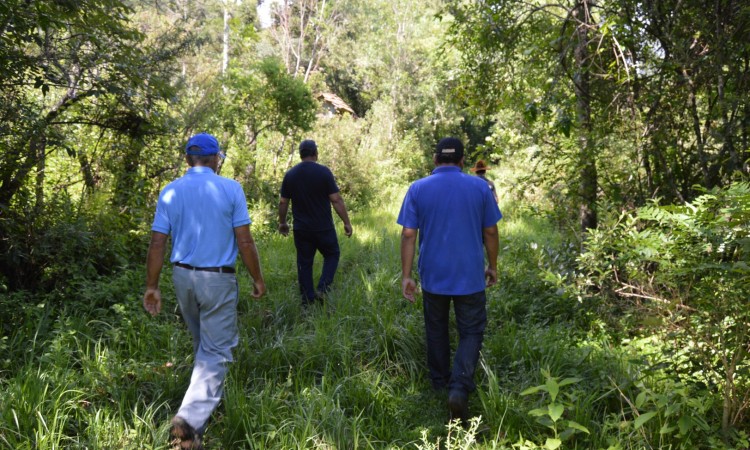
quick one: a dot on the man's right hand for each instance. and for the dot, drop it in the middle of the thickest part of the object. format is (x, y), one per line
(491, 276)
(284, 229)
(348, 230)
(152, 301)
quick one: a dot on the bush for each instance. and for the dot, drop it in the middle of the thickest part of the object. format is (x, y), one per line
(60, 246)
(683, 270)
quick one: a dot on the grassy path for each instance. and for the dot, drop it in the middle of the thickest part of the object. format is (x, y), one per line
(98, 373)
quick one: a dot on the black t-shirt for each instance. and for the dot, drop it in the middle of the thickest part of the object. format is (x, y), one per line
(308, 185)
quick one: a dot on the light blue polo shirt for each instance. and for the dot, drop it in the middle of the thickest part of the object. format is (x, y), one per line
(450, 209)
(200, 210)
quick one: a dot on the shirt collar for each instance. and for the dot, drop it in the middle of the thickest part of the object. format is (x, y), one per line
(200, 169)
(446, 169)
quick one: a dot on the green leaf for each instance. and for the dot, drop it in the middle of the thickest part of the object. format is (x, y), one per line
(534, 390)
(665, 429)
(640, 399)
(685, 424)
(566, 434)
(552, 444)
(538, 412)
(643, 418)
(556, 411)
(553, 388)
(545, 421)
(578, 426)
(568, 381)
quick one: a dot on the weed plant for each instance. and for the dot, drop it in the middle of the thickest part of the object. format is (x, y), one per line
(94, 371)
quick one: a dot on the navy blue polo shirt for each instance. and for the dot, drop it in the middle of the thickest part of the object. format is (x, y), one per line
(450, 209)
(200, 210)
(308, 185)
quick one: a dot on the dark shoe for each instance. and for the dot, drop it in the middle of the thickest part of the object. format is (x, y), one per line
(182, 436)
(321, 296)
(458, 404)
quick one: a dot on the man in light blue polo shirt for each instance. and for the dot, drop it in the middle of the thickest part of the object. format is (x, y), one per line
(207, 217)
(455, 215)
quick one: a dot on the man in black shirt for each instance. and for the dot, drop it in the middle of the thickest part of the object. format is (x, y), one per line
(312, 190)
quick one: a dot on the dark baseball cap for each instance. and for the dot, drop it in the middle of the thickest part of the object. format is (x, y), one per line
(450, 146)
(308, 144)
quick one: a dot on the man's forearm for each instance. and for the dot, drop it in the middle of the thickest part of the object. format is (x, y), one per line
(283, 210)
(340, 208)
(408, 248)
(251, 260)
(155, 259)
(491, 244)
(248, 251)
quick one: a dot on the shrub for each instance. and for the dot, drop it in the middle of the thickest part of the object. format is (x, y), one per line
(684, 270)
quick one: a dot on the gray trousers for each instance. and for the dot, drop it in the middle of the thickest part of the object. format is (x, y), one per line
(208, 302)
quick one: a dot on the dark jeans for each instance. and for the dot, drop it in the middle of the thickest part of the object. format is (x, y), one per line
(307, 243)
(471, 319)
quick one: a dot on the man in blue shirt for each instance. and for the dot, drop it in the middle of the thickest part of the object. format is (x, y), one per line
(312, 191)
(455, 215)
(207, 216)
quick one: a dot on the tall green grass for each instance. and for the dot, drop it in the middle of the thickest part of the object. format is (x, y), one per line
(94, 371)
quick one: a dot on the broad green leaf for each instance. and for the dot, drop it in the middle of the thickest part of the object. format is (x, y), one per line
(556, 411)
(553, 388)
(552, 444)
(578, 426)
(545, 420)
(665, 429)
(538, 412)
(534, 390)
(643, 418)
(640, 399)
(566, 434)
(685, 424)
(568, 381)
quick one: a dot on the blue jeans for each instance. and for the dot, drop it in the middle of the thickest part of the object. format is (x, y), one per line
(307, 244)
(471, 319)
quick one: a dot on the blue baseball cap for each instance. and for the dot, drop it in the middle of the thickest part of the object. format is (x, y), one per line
(206, 145)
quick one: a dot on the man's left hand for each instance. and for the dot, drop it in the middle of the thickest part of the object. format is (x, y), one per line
(491, 276)
(259, 288)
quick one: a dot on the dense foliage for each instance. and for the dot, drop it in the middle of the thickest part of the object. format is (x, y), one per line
(618, 132)
(618, 100)
(683, 270)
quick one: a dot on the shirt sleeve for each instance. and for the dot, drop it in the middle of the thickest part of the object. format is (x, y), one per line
(241, 216)
(332, 186)
(284, 191)
(161, 222)
(408, 216)
(492, 213)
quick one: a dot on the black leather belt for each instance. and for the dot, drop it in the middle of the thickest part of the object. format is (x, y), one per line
(206, 269)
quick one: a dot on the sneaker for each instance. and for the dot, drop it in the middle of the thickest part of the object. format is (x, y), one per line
(182, 436)
(458, 404)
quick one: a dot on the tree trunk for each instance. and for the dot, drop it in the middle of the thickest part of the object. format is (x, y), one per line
(39, 147)
(587, 156)
(225, 40)
(88, 174)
